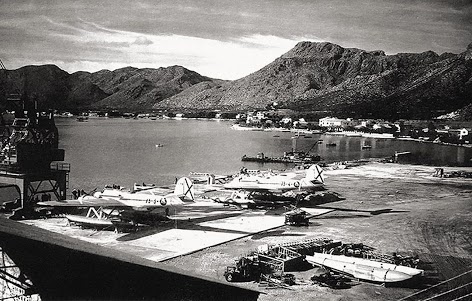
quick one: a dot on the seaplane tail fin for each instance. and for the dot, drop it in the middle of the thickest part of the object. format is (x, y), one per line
(184, 188)
(315, 172)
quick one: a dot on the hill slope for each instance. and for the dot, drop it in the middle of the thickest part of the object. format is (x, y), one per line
(126, 88)
(47, 84)
(311, 77)
(134, 89)
(346, 81)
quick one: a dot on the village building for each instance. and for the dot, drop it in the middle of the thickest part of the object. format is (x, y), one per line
(330, 122)
(286, 120)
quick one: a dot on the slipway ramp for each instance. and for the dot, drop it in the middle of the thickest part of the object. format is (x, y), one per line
(65, 268)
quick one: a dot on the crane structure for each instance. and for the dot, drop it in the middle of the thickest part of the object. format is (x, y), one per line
(30, 159)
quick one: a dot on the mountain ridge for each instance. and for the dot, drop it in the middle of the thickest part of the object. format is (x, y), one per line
(311, 76)
(326, 76)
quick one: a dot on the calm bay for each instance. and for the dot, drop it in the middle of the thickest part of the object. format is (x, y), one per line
(124, 151)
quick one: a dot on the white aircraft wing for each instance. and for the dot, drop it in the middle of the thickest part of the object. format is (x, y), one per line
(90, 201)
(86, 201)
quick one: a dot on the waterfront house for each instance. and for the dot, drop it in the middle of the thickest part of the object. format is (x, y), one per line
(255, 118)
(286, 120)
(260, 115)
(241, 116)
(300, 123)
(330, 122)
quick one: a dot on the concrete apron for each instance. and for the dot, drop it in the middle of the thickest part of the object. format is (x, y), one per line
(166, 244)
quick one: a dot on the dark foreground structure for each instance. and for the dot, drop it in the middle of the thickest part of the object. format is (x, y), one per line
(64, 268)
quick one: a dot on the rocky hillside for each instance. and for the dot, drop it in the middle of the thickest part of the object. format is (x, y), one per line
(310, 77)
(345, 81)
(464, 114)
(127, 88)
(47, 84)
(135, 89)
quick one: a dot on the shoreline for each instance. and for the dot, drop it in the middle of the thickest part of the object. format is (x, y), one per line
(345, 134)
(438, 143)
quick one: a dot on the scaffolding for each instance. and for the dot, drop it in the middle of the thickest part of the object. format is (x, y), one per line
(14, 285)
(35, 186)
(309, 246)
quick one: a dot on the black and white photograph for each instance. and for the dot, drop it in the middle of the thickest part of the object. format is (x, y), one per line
(236, 150)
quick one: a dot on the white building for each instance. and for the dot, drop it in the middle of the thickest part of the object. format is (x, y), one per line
(286, 120)
(260, 115)
(331, 122)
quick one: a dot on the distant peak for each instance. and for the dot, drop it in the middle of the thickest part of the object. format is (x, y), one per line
(468, 52)
(126, 69)
(308, 49)
(304, 48)
(320, 46)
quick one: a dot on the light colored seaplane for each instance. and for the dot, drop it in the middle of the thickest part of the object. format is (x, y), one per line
(288, 190)
(115, 206)
(278, 182)
(266, 188)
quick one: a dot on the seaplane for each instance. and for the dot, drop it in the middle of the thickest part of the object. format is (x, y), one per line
(117, 207)
(278, 182)
(251, 190)
(266, 190)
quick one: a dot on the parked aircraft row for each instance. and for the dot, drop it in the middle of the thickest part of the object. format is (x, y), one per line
(115, 205)
(147, 204)
(250, 190)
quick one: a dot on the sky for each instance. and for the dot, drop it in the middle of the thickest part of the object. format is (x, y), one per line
(226, 39)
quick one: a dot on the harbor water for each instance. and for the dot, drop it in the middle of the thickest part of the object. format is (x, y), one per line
(125, 151)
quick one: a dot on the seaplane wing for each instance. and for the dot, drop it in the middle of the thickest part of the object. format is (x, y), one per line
(84, 201)
(148, 198)
(134, 201)
(115, 207)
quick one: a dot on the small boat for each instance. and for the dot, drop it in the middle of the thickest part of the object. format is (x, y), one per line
(159, 145)
(360, 268)
(82, 118)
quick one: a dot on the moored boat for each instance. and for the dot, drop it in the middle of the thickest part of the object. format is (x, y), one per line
(288, 157)
(366, 146)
